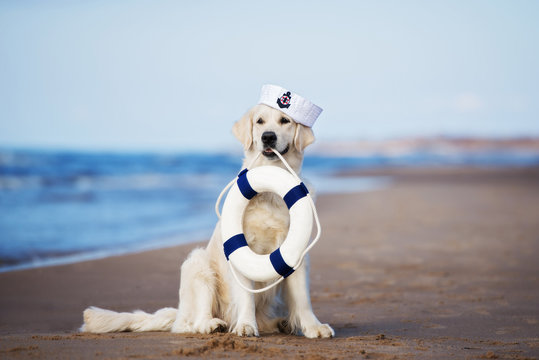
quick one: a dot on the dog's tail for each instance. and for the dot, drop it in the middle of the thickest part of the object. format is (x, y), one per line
(98, 320)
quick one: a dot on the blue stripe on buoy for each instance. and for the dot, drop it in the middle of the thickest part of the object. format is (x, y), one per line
(234, 243)
(296, 193)
(279, 264)
(244, 186)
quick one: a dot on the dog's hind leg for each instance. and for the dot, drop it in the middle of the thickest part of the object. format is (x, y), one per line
(197, 297)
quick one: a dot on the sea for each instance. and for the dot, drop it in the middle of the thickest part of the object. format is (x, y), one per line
(59, 207)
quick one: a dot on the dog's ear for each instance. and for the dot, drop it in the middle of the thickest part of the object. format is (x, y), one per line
(243, 130)
(304, 137)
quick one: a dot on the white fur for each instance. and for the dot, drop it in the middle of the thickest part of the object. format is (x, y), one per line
(210, 299)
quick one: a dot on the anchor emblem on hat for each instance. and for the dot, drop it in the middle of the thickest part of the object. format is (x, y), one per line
(284, 100)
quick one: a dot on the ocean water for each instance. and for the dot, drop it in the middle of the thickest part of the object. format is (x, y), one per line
(61, 207)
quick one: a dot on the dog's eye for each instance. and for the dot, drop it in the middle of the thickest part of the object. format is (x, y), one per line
(260, 121)
(284, 121)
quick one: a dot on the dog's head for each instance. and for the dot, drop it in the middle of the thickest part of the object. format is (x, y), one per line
(264, 128)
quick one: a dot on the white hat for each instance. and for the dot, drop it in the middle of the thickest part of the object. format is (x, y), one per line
(298, 108)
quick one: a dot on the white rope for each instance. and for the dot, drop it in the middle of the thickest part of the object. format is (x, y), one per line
(307, 249)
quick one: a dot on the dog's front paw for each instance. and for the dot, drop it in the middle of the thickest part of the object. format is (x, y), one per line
(211, 326)
(319, 331)
(245, 330)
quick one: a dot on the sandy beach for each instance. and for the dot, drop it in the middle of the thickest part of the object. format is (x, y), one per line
(443, 264)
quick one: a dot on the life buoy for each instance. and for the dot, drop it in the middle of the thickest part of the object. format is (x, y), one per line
(282, 261)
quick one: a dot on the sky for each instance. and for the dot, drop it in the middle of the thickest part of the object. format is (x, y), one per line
(175, 75)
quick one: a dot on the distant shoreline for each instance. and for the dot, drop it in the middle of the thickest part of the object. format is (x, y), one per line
(323, 147)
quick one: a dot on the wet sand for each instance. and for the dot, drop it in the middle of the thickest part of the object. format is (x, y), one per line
(443, 264)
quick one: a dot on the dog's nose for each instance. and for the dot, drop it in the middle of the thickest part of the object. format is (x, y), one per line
(269, 138)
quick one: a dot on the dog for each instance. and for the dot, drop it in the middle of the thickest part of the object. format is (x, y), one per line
(210, 299)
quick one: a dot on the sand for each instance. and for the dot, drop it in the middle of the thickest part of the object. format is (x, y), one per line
(442, 264)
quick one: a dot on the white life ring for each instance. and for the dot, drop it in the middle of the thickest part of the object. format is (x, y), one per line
(281, 262)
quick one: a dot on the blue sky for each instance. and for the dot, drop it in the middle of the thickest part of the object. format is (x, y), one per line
(175, 75)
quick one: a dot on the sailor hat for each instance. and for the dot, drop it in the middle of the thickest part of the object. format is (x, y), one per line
(297, 107)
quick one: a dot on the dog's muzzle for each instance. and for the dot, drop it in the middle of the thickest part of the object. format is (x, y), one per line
(269, 140)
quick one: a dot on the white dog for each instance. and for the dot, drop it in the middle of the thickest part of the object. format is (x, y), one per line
(210, 298)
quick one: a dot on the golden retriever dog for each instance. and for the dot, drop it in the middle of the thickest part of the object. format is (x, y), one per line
(210, 298)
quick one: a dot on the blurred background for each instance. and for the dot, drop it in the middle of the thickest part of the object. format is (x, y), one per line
(115, 116)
